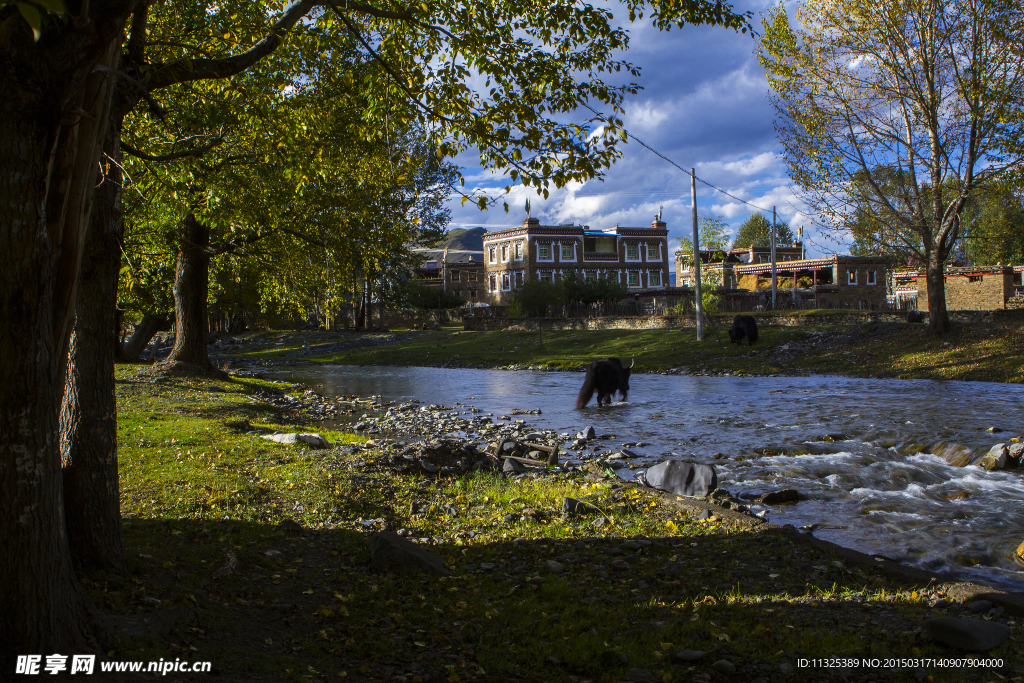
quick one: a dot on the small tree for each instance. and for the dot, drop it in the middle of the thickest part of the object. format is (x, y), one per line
(756, 231)
(533, 298)
(420, 295)
(711, 232)
(578, 288)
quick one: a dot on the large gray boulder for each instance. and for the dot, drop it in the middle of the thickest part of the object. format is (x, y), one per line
(391, 552)
(683, 478)
(314, 440)
(975, 635)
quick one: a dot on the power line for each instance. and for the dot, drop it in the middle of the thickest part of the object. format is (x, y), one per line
(659, 154)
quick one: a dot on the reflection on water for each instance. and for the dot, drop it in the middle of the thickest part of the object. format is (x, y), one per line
(834, 439)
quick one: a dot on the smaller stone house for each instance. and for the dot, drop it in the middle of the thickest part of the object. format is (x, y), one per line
(974, 288)
(834, 282)
(459, 272)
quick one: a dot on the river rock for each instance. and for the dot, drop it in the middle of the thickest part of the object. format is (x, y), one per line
(553, 566)
(689, 655)
(955, 454)
(777, 497)
(1015, 452)
(975, 635)
(996, 457)
(389, 551)
(314, 440)
(513, 466)
(589, 434)
(1019, 552)
(683, 478)
(724, 666)
(979, 606)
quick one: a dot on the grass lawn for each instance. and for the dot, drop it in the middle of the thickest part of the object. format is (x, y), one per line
(653, 350)
(202, 505)
(981, 352)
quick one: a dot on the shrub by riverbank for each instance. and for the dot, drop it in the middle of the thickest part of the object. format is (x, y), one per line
(532, 597)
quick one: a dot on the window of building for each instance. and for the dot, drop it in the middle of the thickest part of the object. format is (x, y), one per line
(544, 251)
(851, 277)
(589, 277)
(631, 251)
(494, 283)
(974, 278)
(519, 251)
(472, 276)
(600, 245)
(654, 278)
(504, 252)
(544, 276)
(506, 283)
(494, 255)
(566, 252)
(472, 294)
(872, 278)
(633, 279)
(652, 253)
(456, 276)
(519, 278)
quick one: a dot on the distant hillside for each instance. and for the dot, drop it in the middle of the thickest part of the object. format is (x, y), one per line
(460, 238)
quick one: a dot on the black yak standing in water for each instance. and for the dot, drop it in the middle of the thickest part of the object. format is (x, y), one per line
(605, 377)
(743, 326)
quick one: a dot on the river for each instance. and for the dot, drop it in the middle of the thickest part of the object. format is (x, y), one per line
(836, 440)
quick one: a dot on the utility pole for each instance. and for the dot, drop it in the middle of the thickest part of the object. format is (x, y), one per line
(774, 281)
(698, 301)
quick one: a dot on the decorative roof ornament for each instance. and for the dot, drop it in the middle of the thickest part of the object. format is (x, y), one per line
(527, 206)
(659, 213)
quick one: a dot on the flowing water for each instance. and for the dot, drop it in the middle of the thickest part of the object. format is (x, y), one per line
(838, 441)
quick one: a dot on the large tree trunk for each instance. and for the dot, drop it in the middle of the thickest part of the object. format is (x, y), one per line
(150, 324)
(54, 113)
(88, 418)
(938, 319)
(191, 281)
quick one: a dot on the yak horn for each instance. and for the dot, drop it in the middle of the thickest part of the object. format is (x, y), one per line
(633, 363)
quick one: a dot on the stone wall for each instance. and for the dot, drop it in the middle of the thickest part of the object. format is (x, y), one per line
(1014, 317)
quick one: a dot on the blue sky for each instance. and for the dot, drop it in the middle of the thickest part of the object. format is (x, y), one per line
(704, 104)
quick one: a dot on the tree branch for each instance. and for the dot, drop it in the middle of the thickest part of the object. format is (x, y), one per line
(154, 106)
(198, 151)
(185, 70)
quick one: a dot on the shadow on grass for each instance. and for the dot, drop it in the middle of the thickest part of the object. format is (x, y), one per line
(306, 606)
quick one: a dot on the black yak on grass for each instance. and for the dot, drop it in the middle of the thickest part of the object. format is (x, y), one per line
(743, 326)
(605, 377)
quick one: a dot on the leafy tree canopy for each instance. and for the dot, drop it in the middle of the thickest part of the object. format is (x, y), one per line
(711, 231)
(756, 231)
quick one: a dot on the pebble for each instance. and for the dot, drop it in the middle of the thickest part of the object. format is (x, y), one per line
(724, 666)
(689, 655)
(979, 606)
(554, 567)
(641, 676)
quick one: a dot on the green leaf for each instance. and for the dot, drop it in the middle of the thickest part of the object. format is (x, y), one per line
(32, 16)
(53, 6)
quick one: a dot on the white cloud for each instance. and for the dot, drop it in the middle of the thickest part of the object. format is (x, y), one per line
(704, 104)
